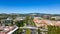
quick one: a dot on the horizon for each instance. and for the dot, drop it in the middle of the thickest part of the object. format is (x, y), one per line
(30, 6)
(27, 13)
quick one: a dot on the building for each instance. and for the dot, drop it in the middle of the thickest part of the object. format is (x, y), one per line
(8, 21)
(46, 16)
(7, 29)
(19, 18)
(46, 22)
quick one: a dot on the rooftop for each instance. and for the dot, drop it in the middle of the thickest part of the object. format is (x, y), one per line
(6, 29)
(46, 22)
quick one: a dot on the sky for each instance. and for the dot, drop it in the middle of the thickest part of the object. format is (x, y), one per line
(30, 6)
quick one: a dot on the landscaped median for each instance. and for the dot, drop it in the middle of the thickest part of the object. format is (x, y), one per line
(27, 31)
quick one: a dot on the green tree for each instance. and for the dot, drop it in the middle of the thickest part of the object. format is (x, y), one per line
(53, 30)
(20, 23)
(52, 18)
(39, 31)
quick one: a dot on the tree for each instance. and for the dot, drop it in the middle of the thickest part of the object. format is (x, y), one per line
(38, 31)
(53, 30)
(52, 18)
(20, 23)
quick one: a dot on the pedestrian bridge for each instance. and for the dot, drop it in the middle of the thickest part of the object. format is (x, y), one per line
(29, 27)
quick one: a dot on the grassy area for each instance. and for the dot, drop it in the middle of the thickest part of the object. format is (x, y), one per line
(28, 31)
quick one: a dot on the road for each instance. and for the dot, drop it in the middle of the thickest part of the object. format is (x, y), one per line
(30, 26)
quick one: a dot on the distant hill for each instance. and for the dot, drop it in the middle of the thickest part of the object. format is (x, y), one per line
(33, 14)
